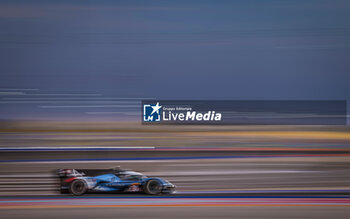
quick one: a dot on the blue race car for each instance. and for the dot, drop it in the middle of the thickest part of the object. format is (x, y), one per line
(81, 181)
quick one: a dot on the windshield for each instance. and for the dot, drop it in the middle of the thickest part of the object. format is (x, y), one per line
(130, 175)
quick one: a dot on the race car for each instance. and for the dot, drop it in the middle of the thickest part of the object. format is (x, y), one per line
(81, 181)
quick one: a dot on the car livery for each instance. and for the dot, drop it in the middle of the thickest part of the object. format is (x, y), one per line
(81, 181)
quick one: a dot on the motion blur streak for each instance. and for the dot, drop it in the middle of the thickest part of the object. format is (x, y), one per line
(237, 170)
(74, 73)
(10, 203)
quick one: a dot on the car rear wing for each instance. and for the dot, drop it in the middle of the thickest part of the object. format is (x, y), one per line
(63, 173)
(69, 173)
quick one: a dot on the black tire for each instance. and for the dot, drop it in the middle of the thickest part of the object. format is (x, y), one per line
(153, 187)
(78, 187)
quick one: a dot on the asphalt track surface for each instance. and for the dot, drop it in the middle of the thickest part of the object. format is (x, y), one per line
(192, 171)
(224, 184)
(176, 207)
(278, 212)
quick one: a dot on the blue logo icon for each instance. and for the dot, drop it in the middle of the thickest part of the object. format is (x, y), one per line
(151, 112)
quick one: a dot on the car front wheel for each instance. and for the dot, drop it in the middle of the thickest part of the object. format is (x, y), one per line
(153, 187)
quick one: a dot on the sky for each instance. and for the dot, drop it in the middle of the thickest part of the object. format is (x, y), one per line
(90, 58)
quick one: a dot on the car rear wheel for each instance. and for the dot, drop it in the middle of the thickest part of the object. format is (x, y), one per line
(78, 187)
(153, 187)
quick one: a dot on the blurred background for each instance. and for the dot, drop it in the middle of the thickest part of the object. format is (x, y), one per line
(73, 74)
